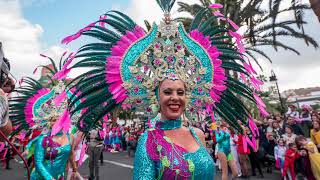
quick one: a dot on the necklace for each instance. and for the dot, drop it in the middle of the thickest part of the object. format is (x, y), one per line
(169, 124)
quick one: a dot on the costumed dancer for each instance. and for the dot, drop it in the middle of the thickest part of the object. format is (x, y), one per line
(224, 152)
(168, 70)
(40, 108)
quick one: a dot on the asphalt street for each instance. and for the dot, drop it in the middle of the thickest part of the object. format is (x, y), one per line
(116, 166)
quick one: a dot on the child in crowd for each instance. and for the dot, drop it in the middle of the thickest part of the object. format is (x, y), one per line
(279, 154)
(290, 156)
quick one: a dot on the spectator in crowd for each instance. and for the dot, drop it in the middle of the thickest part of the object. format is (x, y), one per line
(315, 133)
(292, 112)
(289, 136)
(243, 156)
(279, 119)
(233, 142)
(277, 131)
(305, 120)
(269, 150)
(253, 156)
(315, 116)
(296, 129)
(95, 146)
(314, 155)
(269, 128)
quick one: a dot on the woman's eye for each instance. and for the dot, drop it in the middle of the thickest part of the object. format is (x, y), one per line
(167, 92)
(180, 93)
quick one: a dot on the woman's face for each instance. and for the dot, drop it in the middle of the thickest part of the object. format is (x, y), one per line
(172, 99)
(314, 118)
(275, 125)
(316, 124)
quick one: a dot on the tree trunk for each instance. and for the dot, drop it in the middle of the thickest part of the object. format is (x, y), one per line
(315, 5)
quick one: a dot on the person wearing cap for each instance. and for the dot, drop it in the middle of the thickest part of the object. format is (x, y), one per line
(292, 112)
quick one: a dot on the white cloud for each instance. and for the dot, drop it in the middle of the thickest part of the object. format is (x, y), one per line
(21, 40)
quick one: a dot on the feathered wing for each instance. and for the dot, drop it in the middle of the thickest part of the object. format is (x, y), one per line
(21, 105)
(102, 89)
(24, 105)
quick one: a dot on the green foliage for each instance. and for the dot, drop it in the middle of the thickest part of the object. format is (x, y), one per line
(261, 17)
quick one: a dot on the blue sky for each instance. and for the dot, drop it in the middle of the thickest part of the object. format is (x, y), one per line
(62, 17)
(31, 27)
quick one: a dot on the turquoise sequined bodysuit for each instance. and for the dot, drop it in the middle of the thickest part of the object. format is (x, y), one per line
(50, 165)
(223, 140)
(148, 165)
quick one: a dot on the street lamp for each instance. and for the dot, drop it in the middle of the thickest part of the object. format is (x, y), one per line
(273, 79)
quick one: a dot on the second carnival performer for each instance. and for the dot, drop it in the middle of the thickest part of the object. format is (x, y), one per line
(169, 71)
(44, 108)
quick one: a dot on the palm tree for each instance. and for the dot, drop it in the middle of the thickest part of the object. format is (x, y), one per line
(264, 28)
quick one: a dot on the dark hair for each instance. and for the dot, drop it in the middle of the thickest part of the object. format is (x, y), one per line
(281, 139)
(300, 138)
(315, 114)
(291, 145)
(290, 127)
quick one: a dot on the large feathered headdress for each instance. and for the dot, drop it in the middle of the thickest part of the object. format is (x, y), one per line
(128, 63)
(38, 103)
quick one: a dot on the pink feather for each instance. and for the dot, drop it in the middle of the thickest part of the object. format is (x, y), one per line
(1, 146)
(216, 6)
(245, 144)
(61, 97)
(103, 17)
(81, 124)
(63, 123)
(234, 25)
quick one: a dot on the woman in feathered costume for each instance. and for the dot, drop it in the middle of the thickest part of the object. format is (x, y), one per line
(45, 109)
(171, 71)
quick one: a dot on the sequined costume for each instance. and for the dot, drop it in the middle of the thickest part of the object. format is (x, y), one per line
(50, 159)
(158, 158)
(43, 107)
(223, 140)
